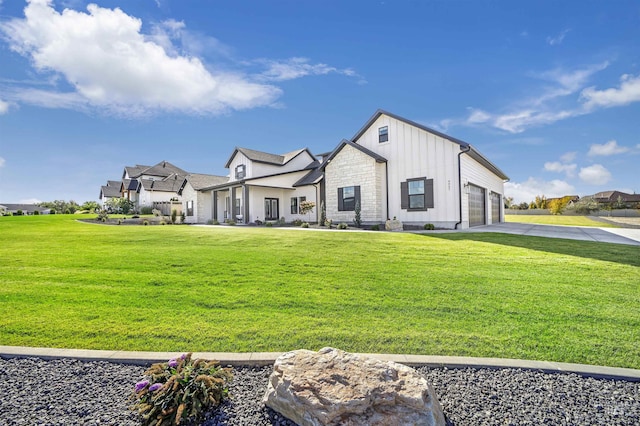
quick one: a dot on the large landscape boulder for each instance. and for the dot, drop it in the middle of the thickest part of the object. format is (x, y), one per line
(333, 387)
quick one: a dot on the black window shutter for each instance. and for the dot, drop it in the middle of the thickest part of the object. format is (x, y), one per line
(428, 193)
(340, 200)
(357, 195)
(404, 195)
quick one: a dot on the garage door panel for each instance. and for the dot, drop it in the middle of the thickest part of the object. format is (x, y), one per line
(477, 208)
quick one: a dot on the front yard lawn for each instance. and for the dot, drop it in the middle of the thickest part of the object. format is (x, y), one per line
(69, 284)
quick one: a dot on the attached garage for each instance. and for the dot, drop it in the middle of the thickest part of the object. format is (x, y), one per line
(477, 207)
(495, 207)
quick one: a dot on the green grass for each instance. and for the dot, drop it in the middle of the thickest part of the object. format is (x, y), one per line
(557, 220)
(183, 288)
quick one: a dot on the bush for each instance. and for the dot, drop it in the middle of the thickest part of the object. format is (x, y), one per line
(146, 210)
(19, 213)
(145, 223)
(36, 212)
(375, 227)
(429, 227)
(180, 390)
(119, 221)
(269, 224)
(174, 216)
(328, 223)
(162, 222)
(282, 221)
(323, 214)
(342, 226)
(305, 225)
(183, 218)
(297, 222)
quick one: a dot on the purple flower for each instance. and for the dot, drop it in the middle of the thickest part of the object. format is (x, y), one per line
(183, 356)
(154, 387)
(173, 363)
(141, 385)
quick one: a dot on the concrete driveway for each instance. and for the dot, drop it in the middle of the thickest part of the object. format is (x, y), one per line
(583, 233)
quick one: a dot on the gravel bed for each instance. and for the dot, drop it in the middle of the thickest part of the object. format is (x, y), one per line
(69, 392)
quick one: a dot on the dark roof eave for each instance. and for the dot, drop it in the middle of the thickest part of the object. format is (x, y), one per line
(342, 144)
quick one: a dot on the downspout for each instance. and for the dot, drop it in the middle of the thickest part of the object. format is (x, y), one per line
(467, 149)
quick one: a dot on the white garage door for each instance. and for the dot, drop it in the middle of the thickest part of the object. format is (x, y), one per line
(477, 211)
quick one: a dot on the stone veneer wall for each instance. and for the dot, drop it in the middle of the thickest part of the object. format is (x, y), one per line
(352, 167)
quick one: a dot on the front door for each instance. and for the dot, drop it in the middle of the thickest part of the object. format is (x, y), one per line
(271, 209)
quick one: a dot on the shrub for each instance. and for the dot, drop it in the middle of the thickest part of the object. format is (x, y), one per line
(162, 222)
(180, 390)
(297, 222)
(357, 220)
(174, 216)
(19, 213)
(375, 227)
(135, 216)
(342, 225)
(36, 212)
(429, 227)
(145, 223)
(269, 224)
(119, 221)
(305, 225)
(146, 210)
(183, 218)
(103, 215)
(328, 223)
(282, 221)
(104, 219)
(231, 223)
(67, 211)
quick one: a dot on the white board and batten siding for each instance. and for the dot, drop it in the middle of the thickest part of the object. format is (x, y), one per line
(474, 173)
(412, 152)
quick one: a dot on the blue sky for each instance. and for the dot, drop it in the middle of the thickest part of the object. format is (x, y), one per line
(547, 90)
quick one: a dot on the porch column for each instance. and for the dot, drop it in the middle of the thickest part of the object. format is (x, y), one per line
(245, 200)
(215, 205)
(232, 202)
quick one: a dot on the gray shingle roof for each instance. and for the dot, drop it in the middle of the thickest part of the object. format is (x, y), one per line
(135, 171)
(343, 143)
(165, 185)
(199, 181)
(110, 191)
(265, 157)
(163, 169)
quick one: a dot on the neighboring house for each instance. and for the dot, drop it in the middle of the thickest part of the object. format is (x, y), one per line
(264, 187)
(612, 198)
(396, 168)
(26, 209)
(147, 186)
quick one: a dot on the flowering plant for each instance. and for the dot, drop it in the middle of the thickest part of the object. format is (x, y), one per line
(180, 389)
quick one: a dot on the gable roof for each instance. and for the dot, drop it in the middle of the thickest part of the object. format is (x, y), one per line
(464, 146)
(343, 143)
(267, 158)
(165, 185)
(134, 171)
(314, 176)
(110, 191)
(163, 169)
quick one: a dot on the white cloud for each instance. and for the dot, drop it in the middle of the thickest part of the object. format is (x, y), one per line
(112, 66)
(4, 107)
(532, 187)
(626, 93)
(2, 162)
(298, 67)
(556, 166)
(557, 39)
(568, 157)
(606, 149)
(595, 175)
(543, 108)
(29, 201)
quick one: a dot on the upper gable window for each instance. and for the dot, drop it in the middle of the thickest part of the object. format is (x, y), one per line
(383, 134)
(241, 171)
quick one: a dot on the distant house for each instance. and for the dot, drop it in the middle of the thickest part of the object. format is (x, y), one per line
(26, 209)
(611, 198)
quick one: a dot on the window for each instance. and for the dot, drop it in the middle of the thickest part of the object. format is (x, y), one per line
(190, 208)
(237, 207)
(241, 171)
(347, 198)
(383, 134)
(416, 194)
(296, 203)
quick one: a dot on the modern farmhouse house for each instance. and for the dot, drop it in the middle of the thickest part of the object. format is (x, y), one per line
(391, 168)
(396, 168)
